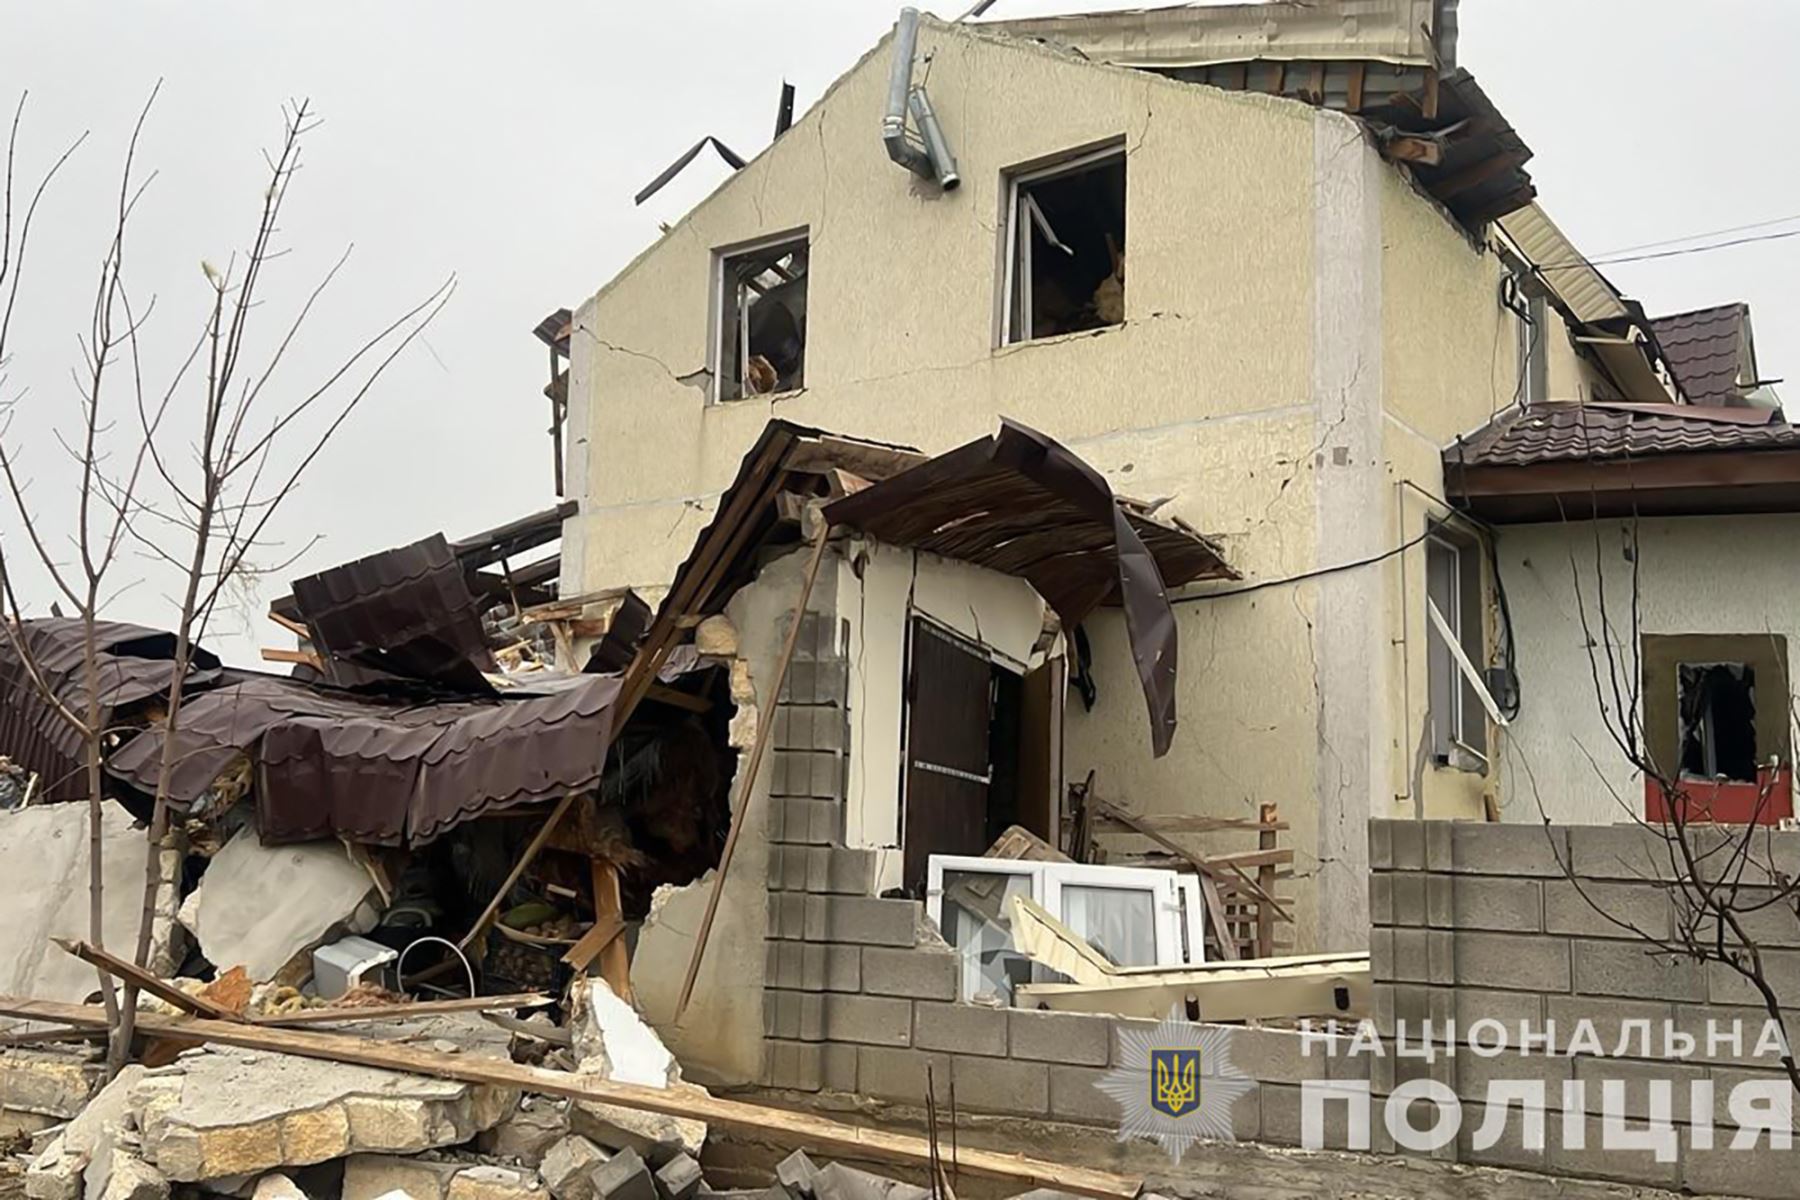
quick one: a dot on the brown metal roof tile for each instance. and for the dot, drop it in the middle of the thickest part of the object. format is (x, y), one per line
(1704, 349)
(1590, 432)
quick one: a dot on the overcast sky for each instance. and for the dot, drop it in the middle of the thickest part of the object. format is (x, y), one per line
(503, 143)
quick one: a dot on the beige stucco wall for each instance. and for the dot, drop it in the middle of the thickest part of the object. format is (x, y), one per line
(1695, 575)
(1300, 327)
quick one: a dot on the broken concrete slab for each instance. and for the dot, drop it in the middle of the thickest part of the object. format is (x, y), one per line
(613, 1042)
(263, 906)
(623, 1177)
(58, 1171)
(127, 1177)
(374, 1176)
(226, 1112)
(44, 860)
(49, 1082)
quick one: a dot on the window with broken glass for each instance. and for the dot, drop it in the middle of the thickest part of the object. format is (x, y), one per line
(760, 347)
(1702, 699)
(1455, 650)
(1065, 253)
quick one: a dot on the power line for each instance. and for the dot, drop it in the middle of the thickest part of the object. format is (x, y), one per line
(1637, 258)
(1694, 237)
(1304, 576)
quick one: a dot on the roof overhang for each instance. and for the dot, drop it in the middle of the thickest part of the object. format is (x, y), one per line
(1697, 484)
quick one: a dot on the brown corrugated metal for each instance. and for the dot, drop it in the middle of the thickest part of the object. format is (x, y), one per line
(408, 612)
(1021, 503)
(1561, 432)
(135, 665)
(1705, 350)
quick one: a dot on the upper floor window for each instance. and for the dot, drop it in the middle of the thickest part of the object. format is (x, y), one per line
(760, 342)
(1534, 347)
(1065, 259)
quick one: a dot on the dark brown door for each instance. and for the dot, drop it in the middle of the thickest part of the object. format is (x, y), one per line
(949, 697)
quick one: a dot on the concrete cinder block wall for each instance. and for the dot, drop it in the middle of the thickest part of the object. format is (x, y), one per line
(1527, 923)
(861, 993)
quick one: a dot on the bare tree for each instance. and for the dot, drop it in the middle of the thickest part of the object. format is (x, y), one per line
(200, 504)
(1729, 886)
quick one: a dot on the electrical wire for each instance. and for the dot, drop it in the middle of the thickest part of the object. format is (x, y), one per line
(1619, 260)
(1694, 237)
(1335, 569)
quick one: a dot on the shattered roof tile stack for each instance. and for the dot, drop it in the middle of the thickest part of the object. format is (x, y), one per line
(1705, 350)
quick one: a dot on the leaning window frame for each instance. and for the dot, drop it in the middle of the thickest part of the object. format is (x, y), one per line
(1010, 225)
(715, 340)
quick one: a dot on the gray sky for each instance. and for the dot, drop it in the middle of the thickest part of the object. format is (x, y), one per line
(503, 143)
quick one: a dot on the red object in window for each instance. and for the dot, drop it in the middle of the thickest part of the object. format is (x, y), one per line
(1769, 800)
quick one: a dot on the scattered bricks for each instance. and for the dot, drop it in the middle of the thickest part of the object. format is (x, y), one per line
(797, 1175)
(1075, 1095)
(1512, 850)
(837, 1067)
(876, 1020)
(1073, 1038)
(1408, 846)
(835, 869)
(1608, 910)
(1517, 962)
(375, 1176)
(960, 1029)
(1636, 970)
(900, 1075)
(1001, 1086)
(678, 1179)
(921, 974)
(566, 1168)
(1407, 904)
(838, 1182)
(623, 1177)
(653, 1136)
(863, 920)
(130, 1178)
(55, 1174)
(1508, 905)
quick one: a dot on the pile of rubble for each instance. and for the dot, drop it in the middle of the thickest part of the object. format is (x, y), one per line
(224, 1121)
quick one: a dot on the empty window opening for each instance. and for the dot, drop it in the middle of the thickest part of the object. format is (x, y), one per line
(762, 320)
(1718, 720)
(1453, 589)
(1534, 349)
(1066, 254)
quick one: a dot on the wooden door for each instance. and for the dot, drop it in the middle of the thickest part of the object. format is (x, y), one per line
(949, 692)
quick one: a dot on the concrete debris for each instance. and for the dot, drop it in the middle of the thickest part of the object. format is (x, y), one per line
(653, 1136)
(374, 1176)
(716, 636)
(44, 860)
(277, 1187)
(679, 1179)
(568, 1168)
(613, 1042)
(835, 1181)
(266, 907)
(623, 1177)
(47, 1081)
(126, 1177)
(228, 1112)
(528, 1134)
(797, 1174)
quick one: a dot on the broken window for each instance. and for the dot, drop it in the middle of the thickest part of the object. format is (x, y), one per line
(1134, 916)
(1453, 623)
(1065, 263)
(761, 343)
(1718, 720)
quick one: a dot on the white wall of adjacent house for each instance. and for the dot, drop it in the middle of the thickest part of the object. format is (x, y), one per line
(1715, 575)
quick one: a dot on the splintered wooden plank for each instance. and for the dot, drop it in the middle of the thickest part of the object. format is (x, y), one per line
(817, 1134)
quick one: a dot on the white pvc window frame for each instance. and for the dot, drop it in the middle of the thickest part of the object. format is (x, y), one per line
(1179, 915)
(740, 331)
(1015, 278)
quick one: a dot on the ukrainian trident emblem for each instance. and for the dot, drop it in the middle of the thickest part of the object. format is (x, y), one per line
(1175, 1080)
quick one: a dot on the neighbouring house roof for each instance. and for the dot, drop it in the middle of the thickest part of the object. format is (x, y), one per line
(1710, 352)
(135, 665)
(1563, 459)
